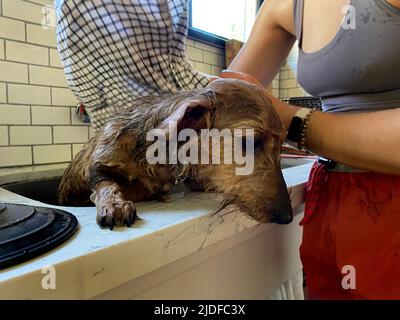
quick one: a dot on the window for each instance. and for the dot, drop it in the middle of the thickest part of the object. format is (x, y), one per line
(222, 19)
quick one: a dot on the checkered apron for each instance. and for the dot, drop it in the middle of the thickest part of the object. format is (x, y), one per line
(114, 51)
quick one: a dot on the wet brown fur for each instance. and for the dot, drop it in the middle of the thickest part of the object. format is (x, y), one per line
(112, 171)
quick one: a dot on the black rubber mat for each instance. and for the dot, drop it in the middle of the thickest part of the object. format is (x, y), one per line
(27, 231)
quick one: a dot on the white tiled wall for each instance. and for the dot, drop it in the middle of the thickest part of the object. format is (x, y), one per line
(36, 107)
(288, 85)
(37, 119)
(205, 58)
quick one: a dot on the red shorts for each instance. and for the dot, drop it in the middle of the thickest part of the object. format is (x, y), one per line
(351, 234)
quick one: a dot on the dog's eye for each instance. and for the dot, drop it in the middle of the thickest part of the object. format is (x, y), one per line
(258, 144)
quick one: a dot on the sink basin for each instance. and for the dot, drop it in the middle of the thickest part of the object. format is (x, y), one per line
(45, 190)
(287, 163)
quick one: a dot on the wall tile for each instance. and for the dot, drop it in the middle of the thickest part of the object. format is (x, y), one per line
(51, 154)
(76, 148)
(55, 59)
(202, 67)
(290, 83)
(292, 74)
(296, 92)
(22, 52)
(27, 109)
(3, 135)
(27, 94)
(191, 62)
(12, 29)
(91, 132)
(284, 75)
(69, 134)
(11, 114)
(194, 54)
(210, 58)
(207, 47)
(22, 135)
(15, 156)
(283, 93)
(63, 97)
(43, 2)
(2, 54)
(50, 115)
(3, 96)
(39, 35)
(23, 10)
(13, 72)
(47, 76)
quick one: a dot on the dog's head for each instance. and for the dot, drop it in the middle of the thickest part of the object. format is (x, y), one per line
(225, 138)
(258, 190)
(229, 139)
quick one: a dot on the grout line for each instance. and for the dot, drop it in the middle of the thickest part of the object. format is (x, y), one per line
(33, 64)
(32, 164)
(38, 4)
(29, 72)
(29, 22)
(6, 83)
(26, 31)
(30, 43)
(44, 144)
(4, 48)
(36, 85)
(30, 115)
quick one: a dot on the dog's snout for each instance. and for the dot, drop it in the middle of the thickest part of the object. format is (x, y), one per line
(281, 208)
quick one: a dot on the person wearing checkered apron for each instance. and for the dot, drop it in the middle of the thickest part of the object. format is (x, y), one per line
(114, 51)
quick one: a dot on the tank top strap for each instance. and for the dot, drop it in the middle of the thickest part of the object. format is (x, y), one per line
(298, 10)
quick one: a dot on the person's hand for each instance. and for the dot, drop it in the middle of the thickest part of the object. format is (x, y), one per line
(285, 111)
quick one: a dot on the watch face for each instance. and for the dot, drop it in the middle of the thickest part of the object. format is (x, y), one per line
(294, 129)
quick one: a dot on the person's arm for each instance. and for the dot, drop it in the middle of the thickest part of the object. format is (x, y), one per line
(364, 140)
(368, 141)
(270, 42)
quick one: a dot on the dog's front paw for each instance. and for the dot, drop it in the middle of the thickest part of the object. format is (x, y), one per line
(115, 211)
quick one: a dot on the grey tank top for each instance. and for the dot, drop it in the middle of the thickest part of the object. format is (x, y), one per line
(359, 70)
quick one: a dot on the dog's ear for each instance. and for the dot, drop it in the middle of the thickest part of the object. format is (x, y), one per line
(192, 114)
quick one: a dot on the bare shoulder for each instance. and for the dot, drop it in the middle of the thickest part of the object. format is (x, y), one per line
(280, 14)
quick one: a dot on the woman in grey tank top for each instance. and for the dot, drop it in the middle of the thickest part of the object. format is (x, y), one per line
(351, 238)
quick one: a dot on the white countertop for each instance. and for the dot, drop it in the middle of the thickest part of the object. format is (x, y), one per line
(95, 260)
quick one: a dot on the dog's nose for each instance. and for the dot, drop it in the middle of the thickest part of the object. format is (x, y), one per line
(281, 208)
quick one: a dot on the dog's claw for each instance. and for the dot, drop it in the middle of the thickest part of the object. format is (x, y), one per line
(130, 220)
(102, 221)
(115, 212)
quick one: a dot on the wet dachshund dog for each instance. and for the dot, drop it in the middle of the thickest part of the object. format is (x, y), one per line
(113, 171)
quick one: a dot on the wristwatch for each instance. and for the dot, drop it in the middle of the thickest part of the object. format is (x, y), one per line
(296, 136)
